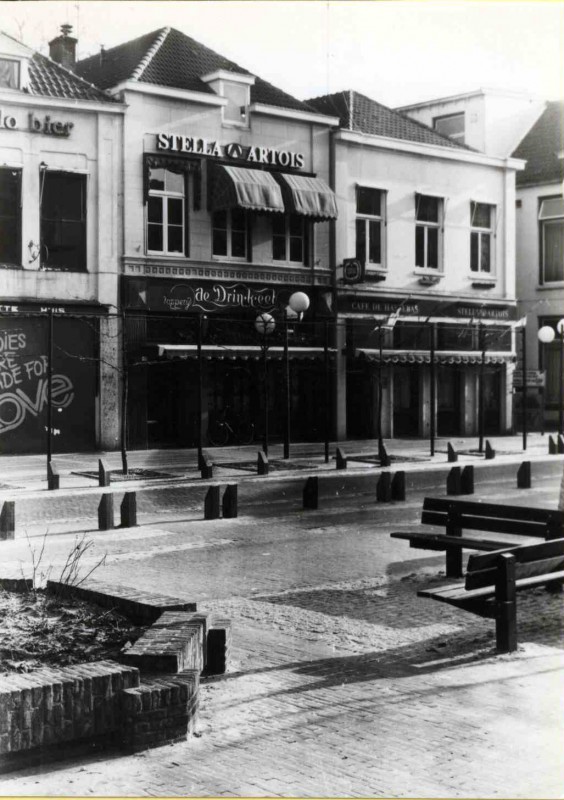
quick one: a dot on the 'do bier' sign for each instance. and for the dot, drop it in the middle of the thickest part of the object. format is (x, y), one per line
(238, 152)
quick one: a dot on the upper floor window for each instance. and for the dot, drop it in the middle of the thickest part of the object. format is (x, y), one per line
(63, 220)
(289, 238)
(236, 112)
(551, 222)
(451, 125)
(9, 73)
(481, 235)
(369, 225)
(229, 233)
(166, 212)
(10, 216)
(428, 244)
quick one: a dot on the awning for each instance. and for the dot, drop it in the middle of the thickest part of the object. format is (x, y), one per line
(444, 357)
(311, 197)
(248, 352)
(253, 189)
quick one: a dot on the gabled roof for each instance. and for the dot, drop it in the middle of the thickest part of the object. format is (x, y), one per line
(167, 57)
(359, 113)
(47, 78)
(542, 148)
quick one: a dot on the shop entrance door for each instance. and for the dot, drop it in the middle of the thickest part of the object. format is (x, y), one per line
(406, 401)
(360, 410)
(448, 401)
(492, 402)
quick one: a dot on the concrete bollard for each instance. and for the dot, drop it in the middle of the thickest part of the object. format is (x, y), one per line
(383, 456)
(128, 510)
(341, 459)
(8, 520)
(211, 503)
(552, 447)
(311, 493)
(467, 480)
(560, 445)
(263, 467)
(398, 486)
(384, 488)
(490, 452)
(453, 482)
(53, 478)
(106, 512)
(452, 454)
(524, 475)
(229, 502)
(206, 466)
(103, 474)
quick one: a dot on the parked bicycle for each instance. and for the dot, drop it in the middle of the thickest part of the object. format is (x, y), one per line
(222, 431)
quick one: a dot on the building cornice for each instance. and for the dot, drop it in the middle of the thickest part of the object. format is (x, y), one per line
(290, 113)
(428, 150)
(74, 104)
(166, 91)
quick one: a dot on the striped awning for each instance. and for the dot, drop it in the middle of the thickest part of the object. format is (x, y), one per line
(441, 357)
(251, 189)
(247, 352)
(310, 197)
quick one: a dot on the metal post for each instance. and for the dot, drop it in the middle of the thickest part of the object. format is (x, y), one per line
(49, 389)
(379, 418)
(482, 346)
(199, 397)
(560, 386)
(265, 376)
(287, 393)
(124, 388)
(524, 386)
(327, 393)
(432, 398)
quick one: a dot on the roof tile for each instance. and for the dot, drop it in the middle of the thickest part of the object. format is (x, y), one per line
(47, 78)
(542, 148)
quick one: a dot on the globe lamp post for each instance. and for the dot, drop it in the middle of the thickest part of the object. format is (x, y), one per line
(265, 325)
(298, 304)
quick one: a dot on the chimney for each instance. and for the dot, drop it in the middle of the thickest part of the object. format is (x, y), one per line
(62, 49)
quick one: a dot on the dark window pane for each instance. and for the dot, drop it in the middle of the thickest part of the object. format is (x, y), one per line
(361, 240)
(374, 256)
(278, 225)
(474, 241)
(174, 239)
(238, 219)
(419, 246)
(10, 216)
(432, 247)
(485, 254)
(368, 201)
(219, 243)
(296, 225)
(481, 215)
(63, 220)
(279, 248)
(62, 196)
(9, 241)
(220, 220)
(157, 179)
(155, 209)
(553, 243)
(175, 211)
(238, 241)
(296, 249)
(155, 237)
(427, 208)
(64, 242)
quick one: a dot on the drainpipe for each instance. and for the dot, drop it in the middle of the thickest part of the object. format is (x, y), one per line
(333, 265)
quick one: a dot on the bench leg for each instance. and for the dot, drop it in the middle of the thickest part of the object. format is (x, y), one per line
(454, 562)
(506, 605)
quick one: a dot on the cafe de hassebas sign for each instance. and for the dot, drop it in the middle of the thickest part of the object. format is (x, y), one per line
(172, 143)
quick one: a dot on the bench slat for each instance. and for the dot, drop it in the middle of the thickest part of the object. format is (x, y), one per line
(530, 569)
(490, 524)
(522, 553)
(457, 594)
(495, 510)
(439, 541)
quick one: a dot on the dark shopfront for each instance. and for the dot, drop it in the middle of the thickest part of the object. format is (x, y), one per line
(165, 320)
(395, 354)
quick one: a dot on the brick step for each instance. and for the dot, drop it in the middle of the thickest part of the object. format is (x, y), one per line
(175, 642)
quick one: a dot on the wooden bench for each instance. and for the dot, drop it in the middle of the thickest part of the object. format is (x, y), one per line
(456, 516)
(493, 580)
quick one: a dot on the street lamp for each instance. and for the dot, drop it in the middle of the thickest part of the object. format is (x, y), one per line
(298, 303)
(264, 325)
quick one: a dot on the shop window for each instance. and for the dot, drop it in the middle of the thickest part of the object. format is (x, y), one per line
(289, 238)
(551, 223)
(451, 125)
(9, 73)
(370, 207)
(63, 221)
(428, 244)
(229, 234)
(166, 221)
(481, 237)
(10, 216)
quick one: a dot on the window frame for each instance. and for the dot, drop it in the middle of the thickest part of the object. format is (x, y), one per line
(244, 121)
(542, 223)
(305, 238)
(426, 226)
(481, 233)
(18, 65)
(73, 175)
(380, 266)
(164, 195)
(17, 217)
(460, 138)
(229, 236)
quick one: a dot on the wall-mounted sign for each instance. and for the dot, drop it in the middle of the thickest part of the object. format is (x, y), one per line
(413, 307)
(44, 124)
(244, 154)
(535, 379)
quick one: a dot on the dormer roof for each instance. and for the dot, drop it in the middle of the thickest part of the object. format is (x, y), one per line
(543, 148)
